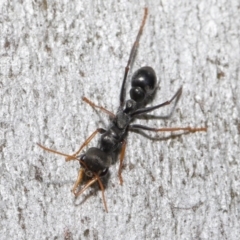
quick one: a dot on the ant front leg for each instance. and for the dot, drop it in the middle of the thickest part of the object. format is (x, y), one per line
(78, 181)
(56, 152)
(73, 157)
(96, 178)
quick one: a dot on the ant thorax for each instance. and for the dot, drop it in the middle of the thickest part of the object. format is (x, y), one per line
(122, 120)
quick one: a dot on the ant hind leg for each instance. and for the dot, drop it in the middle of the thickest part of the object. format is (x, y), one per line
(173, 129)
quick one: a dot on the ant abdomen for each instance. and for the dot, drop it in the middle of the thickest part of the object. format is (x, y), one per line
(143, 84)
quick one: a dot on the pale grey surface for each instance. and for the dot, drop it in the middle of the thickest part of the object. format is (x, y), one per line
(179, 188)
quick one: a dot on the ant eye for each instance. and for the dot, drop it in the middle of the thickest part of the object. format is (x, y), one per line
(81, 159)
(88, 173)
(104, 172)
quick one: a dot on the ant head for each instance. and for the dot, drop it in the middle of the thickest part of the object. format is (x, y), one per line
(95, 161)
(143, 84)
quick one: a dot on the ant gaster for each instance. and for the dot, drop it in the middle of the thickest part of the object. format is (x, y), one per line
(96, 161)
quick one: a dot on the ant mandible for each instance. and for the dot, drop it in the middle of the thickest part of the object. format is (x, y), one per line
(95, 162)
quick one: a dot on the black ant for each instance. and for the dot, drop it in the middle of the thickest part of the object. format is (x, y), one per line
(97, 160)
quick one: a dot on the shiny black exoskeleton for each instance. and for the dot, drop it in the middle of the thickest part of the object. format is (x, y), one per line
(143, 84)
(96, 161)
(143, 87)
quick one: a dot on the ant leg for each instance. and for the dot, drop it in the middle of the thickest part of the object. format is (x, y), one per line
(121, 162)
(88, 184)
(73, 157)
(78, 181)
(176, 96)
(138, 126)
(93, 105)
(53, 151)
(99, 130)
(102, 189)
(131, 58)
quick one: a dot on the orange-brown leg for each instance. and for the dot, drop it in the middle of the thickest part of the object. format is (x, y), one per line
(93, 105)
(78, 181)
(53, 151)
(88, 184)
(102, 189)
(121, 162)
(72, 157)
